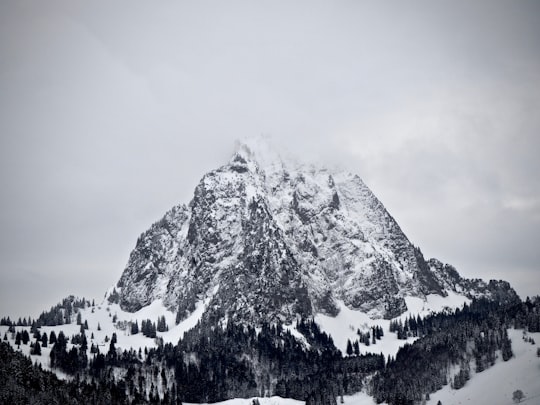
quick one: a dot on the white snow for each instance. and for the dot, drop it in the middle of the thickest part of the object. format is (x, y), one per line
(262, 401)
(345, 325)
(496, 384)
(103, 315)
(433, 303)
(359, 398)
(356, 399)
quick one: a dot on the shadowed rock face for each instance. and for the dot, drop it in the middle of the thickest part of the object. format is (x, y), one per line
(263, 239)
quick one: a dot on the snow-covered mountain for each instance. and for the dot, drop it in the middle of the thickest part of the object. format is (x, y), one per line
(266, 238)
(264, 242)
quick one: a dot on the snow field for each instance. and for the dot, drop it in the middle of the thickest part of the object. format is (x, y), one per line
(345, 325)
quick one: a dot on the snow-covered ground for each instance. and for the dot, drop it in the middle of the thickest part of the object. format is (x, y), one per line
(262, 401)
(341, 328)
(345, 325)
(493, 386)
(359, 398)
(101, 328)
(496, 384)
(356, 399)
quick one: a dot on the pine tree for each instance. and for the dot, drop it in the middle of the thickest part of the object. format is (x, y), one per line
(84, 343)
(506, 347)
(162, 324)
(349, 348)
(36, 350)
(356, 348)
(25, 336)
(134, 328)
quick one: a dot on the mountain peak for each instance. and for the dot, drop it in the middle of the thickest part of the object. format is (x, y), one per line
(266, 239)
(259, 149)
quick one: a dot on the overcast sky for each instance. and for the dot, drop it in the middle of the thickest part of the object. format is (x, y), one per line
(110, 113)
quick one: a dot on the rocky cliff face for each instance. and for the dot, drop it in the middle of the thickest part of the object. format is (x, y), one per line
(266, 239)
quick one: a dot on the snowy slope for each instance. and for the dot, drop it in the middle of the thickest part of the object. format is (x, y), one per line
(521, 372)
(105, 319)
(110, 318)
(344, 326)
(496, 384)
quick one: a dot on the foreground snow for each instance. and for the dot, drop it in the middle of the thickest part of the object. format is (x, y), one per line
(356, 399)
(359, 398)
(496, 384)
(262, 401)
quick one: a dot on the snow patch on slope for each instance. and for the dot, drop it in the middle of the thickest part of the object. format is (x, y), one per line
(345, 325)
(433, 303)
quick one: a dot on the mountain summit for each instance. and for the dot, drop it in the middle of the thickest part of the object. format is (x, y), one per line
(267, 239)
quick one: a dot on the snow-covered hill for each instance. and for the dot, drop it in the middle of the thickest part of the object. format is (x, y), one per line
(497, 384)
(267, 239)
(494, 385)
(105, 319)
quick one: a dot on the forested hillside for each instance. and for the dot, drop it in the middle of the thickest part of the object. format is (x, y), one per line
(213, 362)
